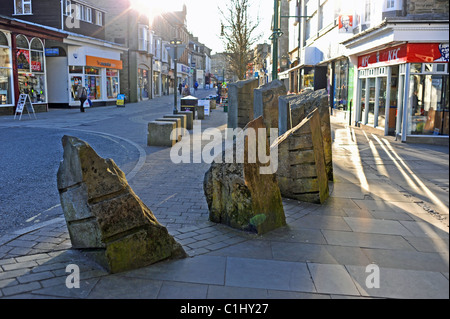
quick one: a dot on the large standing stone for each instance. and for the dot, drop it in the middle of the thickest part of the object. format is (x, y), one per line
(238, 194)
(284, 112)
(266, 102)
(240, 103)
(105, 218)
(304, 105)
(301, 163)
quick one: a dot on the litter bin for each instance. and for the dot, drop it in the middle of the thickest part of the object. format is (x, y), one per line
(189, 103)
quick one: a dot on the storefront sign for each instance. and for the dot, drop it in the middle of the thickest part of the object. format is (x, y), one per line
(406, 53)
(120, 100)
(52, 52)
(392, 55)
(103, 63)
(428, 52)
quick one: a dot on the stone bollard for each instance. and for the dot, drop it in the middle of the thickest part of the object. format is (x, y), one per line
(189, 119)
(105, 218)
(179, 129)
(201, 112)
(238, 194)
(161, 133)
(266, 102)
(182, 118)
(304, 105)
(301, 170)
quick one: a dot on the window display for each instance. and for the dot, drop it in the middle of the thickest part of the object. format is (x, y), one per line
(31, 68)
(5, 71)
(429, 106)
(112, 83)
(34, 86)
(93, 83)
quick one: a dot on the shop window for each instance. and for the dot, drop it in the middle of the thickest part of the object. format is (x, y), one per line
(22, 7)
(112, 83)
(37, 55)
(428, 112)
(76, 69)
(5, 71)
(76, 79)
(93, 83)
(30, 66)
(22, 42)
(416, 68)
(3, 40)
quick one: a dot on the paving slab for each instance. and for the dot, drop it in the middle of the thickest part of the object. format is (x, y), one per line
(353, 239)
(268, 274)
(366, 225)
(402, 284)
(199, 269)
(332, 279)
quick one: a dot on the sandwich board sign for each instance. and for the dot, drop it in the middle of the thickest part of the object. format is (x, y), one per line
(205, 104)
(24, 103)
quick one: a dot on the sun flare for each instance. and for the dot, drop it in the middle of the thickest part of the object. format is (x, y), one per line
(153, 8)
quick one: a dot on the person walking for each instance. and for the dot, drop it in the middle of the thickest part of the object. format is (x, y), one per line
(82, 96)
(195, 86)
(186, 91)
(180, 88)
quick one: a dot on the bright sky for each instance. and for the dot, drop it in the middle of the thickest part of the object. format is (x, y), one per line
(203, 17)
(203, 20)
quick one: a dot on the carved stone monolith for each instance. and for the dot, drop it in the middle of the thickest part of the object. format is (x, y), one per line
(301, 170)
(105, 218)
(304, 105)
(238, 194)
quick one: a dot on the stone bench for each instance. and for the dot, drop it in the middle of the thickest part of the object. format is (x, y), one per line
(160, 133)
(177, 121)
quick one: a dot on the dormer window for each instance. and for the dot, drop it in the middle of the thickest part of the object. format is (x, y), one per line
(22, 7)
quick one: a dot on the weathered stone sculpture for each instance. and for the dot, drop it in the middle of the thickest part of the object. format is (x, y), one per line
(240, 103)
(284, 112)
(105, 218)
(304, 105)
(266, 102)
(301, 170)
(238, 194)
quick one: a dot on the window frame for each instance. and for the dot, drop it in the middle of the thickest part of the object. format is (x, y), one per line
(23, 3)
(98, 21)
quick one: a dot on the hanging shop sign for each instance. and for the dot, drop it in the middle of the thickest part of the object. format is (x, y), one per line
(406, 53)
(346, 24)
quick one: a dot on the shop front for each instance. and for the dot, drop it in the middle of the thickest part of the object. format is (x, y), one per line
(96, 69)
(403, 90)
(143, 83)
(157, 78)
(23, 68)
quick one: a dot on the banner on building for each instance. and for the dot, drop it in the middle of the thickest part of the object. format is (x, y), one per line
(346, 23)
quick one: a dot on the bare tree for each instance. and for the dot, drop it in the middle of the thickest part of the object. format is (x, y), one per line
(238, 35)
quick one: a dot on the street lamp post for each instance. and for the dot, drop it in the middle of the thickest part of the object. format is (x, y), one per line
(175, 43)
(276, 33)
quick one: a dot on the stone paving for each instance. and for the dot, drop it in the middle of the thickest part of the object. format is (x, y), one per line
(373, 217)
